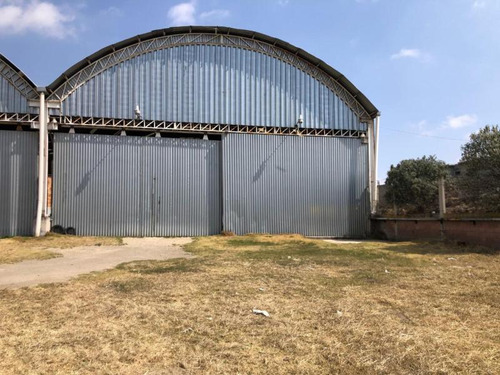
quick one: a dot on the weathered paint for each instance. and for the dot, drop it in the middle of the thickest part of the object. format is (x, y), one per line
(18, 161)
(136, 186)
(284, 184)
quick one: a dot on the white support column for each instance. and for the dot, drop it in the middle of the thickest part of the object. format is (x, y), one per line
(46, 172)
(42, 123)
(371, 158)
(375, 161)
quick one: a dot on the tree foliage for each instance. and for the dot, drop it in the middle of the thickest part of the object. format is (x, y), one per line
(415, 182)
(481, 160)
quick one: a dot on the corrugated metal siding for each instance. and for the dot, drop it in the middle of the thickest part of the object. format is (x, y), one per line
(18, 165)
(212, 84)
(11, 100)
(136, 186)
(285, 184)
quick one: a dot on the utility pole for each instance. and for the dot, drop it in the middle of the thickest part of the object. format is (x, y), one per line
(442, 199)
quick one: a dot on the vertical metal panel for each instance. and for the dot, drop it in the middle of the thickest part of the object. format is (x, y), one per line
(285, 184)
(11, 100)
(18, 176)
(136, 186)
(212, 84)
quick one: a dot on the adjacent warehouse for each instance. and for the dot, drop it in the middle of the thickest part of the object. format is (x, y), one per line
(18, 155)
(192, 131)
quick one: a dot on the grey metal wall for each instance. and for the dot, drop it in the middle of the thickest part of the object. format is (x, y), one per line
(11, 100)
(287, 184)
(211, 84)
(136, 186)
(18, 176)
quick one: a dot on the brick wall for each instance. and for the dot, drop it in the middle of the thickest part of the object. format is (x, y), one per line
(484, 232)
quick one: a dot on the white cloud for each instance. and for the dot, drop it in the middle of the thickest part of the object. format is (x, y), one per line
(216, 13)
(111, 12)
(450, 129)
(182, 14)
(421, 127)
(477, 4)
(186, 14)
(409, 53)
(42, 17)
(456, 122)
(283, 2)
(413, 53)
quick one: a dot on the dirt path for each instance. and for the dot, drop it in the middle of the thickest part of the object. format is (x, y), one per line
(80, 260)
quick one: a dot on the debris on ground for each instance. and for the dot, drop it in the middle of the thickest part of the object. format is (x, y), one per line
(452, 258)
(339, 313)
(387, 271)
(261, 312)
(261, 289)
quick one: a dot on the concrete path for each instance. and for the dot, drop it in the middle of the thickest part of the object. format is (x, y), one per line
(85, 259)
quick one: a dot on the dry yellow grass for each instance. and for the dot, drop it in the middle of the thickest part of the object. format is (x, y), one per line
(370, 308)
(17, 249)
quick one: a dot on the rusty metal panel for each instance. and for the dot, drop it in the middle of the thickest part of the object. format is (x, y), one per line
(316, 186)
(18, 177)
(136, 186)
(212, 84)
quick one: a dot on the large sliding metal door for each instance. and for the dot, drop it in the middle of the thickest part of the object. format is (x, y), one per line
(18, 176)
(316, 186)
(136, 186)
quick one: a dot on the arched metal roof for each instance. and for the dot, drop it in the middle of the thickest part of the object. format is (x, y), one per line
(218, 35)
(17, 78)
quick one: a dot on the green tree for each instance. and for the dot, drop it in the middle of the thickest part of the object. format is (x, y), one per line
(414, 182)
(480, 182)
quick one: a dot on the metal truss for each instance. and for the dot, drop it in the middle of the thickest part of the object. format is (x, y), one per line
(17, 80)
(18, 118)
(164, 42)
(173, 126)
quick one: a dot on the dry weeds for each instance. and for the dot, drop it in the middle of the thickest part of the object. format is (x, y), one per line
(370, 308)
(17, 249)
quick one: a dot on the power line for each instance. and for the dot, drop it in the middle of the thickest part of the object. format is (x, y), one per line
(424, 135)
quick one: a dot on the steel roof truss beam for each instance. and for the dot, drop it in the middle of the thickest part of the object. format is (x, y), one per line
(174, 40)
(112, 123)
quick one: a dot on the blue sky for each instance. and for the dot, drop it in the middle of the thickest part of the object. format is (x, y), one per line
(432, 67)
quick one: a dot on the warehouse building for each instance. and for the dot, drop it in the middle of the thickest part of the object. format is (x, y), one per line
(188, 131)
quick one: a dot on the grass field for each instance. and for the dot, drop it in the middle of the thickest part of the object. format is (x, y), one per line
(369, 308)
(17, 249)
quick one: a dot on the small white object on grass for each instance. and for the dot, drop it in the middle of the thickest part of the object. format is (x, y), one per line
(339, 313)
(386, 271)
(452, 258)
(261, 312)
(261, 289)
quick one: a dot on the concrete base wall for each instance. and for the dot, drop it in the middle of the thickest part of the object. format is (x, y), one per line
(484, 232)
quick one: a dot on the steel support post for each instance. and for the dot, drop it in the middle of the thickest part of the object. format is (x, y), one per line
(42, 120)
